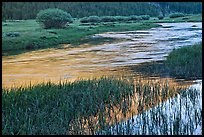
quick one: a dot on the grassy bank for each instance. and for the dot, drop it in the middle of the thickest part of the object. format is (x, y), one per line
(185, 62)
(32, 36)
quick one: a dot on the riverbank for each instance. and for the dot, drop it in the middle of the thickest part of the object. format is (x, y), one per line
(182, 63)
(32, 36)
(27, 35)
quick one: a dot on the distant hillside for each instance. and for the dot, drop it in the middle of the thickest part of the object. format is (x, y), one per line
(28, 10)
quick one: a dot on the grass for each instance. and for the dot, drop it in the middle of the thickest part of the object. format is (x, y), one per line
(84, 107)
(184, 63)
(187, 18)
(50, 109)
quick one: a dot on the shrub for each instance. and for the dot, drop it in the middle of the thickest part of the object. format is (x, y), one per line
(84, 20)
(134, 17)
(145, 17)
(108, 19)
(176, 15)
(119, 18)
(53, 18)
(3, 19)
(160, 17)
(90, 19)
(94, 19)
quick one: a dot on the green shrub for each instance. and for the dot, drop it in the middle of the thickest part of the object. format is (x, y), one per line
(53, 18)
(3, 19)
(90, 19)
(94, 19)
(145, 17)
(84, 20)
(160, 17)
(176, 15)
(108, 19)
(134, 17)
(119, 18)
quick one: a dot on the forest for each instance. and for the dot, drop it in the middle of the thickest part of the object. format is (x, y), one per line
(22, 10)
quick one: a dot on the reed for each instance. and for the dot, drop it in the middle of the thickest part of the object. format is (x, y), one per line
(99, 106)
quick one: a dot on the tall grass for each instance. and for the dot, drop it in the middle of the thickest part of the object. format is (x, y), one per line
(82, 107)
(186, 62)
(50, 109)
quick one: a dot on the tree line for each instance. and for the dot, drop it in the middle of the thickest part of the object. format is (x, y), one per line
(29, 10)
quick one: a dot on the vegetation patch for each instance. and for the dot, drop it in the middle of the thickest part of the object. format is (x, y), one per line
(32, 34)
(50, 109)
(185, 63)
(176, 15)
(53, 18)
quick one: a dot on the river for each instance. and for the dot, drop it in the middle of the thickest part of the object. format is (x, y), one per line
(99, 60)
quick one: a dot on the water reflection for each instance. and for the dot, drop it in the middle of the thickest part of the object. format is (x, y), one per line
(106, 59)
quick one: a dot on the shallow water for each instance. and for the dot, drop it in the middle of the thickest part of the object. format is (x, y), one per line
(184, 109)
(95, 61)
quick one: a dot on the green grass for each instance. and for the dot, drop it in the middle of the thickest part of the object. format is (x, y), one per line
(32, 36)
(50, 108)
(187, 18)
(186, 62)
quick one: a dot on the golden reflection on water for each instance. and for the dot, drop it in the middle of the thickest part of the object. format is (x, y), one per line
(131, 105)
(72, 64)
(67, 64)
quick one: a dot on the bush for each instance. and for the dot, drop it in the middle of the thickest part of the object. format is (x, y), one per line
(3, 19)
(119, 18)
(134, 17)
(84, 20)
(176, 15)
(90, 19)
(160, 17)
(94, 19)
(53, 18)
(145, 17)
(108, 19)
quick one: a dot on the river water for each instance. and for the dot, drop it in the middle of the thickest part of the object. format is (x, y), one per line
(99, 60)
(117, 59)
